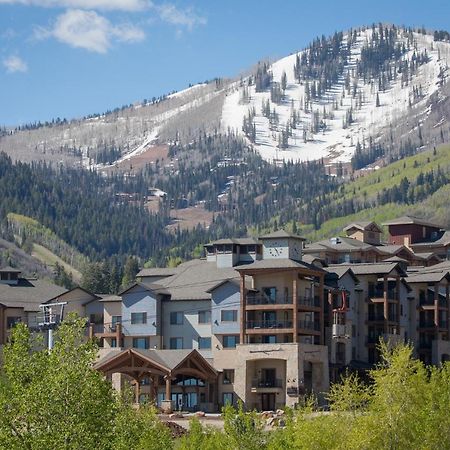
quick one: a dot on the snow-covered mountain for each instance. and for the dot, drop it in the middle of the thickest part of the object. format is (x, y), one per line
(336, 140)
(339, 94)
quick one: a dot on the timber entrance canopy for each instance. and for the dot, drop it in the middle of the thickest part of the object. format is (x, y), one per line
(167, 363)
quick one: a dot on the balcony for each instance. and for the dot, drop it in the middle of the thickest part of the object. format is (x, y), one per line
(268, 324)
(309, 301)
(427, 324)
(376, 318)
(265, 300)
(107, 329)
(308, 325)
(374, 338)
(261, 385)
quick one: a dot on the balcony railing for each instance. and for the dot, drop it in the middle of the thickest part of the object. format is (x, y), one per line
(261, 383)
(268, 324)
(374, 338)
(376, 317)
(309, 301)
(265, 300)
(425, 344)
(427, 324)
(309, 325)
(379, 293)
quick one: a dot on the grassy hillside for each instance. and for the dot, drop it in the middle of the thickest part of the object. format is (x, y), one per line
(434, 208)
(369, 185)
(48, 258)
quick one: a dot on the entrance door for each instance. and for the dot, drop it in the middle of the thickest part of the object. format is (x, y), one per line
(268, 402)
(177, 400)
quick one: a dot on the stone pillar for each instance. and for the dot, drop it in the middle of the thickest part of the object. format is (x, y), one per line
(166, 404)
(243, 313)
(295, 305)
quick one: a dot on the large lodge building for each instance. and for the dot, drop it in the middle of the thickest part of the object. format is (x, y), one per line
(265, 320)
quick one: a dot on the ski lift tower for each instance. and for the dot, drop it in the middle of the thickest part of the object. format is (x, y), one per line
(51, 317)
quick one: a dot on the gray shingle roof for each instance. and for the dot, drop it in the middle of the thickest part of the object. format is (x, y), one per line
(281, 234)
(411, 220)
(380, 268)
(361, 225)
(195, 278)
(428, 277)
(28, 293)
(278, 263)
(238, 241)
(342, 243)
(157, 272)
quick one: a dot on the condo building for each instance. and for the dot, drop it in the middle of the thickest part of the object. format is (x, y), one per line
(266, 321)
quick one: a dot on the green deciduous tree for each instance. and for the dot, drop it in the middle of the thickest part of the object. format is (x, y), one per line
(54, 400)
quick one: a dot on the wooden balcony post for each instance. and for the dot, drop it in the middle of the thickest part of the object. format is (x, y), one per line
(91, 331)
(243, 305)
(119, 335)
(295, 305)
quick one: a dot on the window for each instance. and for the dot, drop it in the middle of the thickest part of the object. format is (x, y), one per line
(228, 376)
(113, 343)
(204, 317)
(141, 342)
(271, 339)
(138, 318)
(176, 318)
(229, 315)
(96, 319)
(12, 321)
(115, 320)
(270, 293)
(227, 398)
(204, 343)
(229, 341)
(176, 343)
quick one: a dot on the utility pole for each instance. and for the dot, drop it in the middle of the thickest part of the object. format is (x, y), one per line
(52, 315)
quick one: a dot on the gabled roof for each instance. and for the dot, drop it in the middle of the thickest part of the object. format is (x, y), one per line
(136, 363)
(237, 241)
(279, 263)
(281, 234)
(342, 271)
(28, 294)
(363, 226)
(411, 220)
(91, 295)
(341, 243)
(195, 278)
(428, 277)
(150, 287)
(379, 268)
(9, 269)
(157, 272)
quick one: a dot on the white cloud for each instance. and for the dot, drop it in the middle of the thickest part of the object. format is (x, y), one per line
(186, 18)
(90, 31)
(122, 5)
(15, 64)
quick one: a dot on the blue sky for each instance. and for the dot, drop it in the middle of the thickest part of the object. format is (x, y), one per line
(69, 58)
